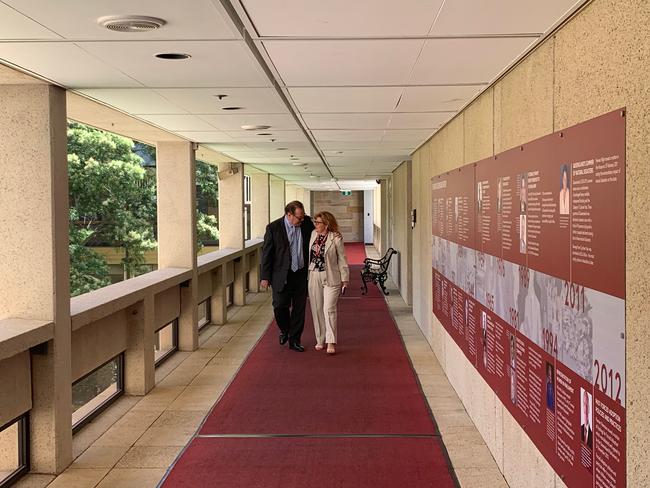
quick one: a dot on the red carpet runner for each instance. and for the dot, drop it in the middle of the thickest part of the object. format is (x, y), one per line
(292, 419)
(355, 252)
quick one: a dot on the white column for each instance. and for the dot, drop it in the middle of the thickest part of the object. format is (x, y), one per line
(177, 247)
(34, 256)
(260, 204)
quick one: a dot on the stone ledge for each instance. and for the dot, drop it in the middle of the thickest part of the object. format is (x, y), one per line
(101, 303)
(18, 335)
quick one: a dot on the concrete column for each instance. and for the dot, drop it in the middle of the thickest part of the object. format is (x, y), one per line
(239, 285)
(177, 247)
(306, 200)
(385, 214)
(139, 368)
(231, 206)
(34, 255)
(277, 191)
(260, 204)
(219, 299)
(254, 273)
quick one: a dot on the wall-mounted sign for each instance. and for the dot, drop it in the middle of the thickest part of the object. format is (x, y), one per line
(529, 281)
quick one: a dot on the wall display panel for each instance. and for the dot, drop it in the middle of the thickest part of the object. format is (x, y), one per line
(532, 289)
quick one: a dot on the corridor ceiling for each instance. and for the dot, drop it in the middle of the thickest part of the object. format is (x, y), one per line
(349, 88)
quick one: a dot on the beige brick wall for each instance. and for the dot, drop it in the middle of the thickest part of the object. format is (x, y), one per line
(348, 211)
(596, 63)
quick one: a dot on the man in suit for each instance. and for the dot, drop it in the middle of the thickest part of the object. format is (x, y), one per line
(284, 266)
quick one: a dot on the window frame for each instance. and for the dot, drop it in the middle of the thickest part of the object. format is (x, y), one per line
(23, 449)
(76, 427)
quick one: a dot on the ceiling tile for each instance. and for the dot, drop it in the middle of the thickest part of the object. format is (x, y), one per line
(65, 64)
(460, 17)
(344, 62)
(236, 121)
(412, 135)
(417, 120)
(437, 98)
(205, 100)
(134, 100)
(278, 135)
(205, 136)
(449, 61)
(347, 121)
(342, 17)
(346, 99)
(348, 135)
(77, 19)
(178, 122)
(14, 25)
(213, 63)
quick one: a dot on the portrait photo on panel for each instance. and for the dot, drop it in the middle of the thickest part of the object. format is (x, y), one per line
(565, 190)
(586, 422)
(550, 387)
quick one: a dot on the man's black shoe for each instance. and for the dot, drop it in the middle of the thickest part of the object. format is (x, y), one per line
(295, 346)
(283, 339)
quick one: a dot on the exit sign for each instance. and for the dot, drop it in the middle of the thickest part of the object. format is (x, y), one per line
(346, 193)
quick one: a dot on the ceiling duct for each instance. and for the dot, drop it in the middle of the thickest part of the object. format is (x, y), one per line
(130, 23)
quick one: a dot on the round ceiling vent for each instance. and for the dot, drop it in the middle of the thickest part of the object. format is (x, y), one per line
(130, 23)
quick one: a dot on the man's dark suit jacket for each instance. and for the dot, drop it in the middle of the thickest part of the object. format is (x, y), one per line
(276, 254)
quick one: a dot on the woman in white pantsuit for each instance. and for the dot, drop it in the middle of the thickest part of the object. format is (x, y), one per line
(328, 275)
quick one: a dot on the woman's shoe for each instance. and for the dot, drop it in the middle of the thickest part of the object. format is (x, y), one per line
(331, 349)
(318, 347)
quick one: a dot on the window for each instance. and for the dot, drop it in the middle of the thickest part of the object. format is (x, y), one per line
(95, 391)
(166, 341)
(204, 313)
(14, 445)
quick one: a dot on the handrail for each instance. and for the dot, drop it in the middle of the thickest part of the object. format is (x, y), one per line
(211, 260)
(207, 262)
(97, 304)
(18, 335)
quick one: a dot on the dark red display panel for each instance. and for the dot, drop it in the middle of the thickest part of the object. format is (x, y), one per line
(534, 292)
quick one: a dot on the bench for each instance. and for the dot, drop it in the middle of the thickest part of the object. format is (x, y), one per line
(376, 271)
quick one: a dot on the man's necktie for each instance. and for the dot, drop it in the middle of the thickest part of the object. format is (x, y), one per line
(296, 252)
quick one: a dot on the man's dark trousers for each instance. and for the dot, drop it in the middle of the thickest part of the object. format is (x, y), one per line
(289, 305)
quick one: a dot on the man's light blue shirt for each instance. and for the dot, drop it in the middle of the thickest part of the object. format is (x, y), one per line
(295, 245)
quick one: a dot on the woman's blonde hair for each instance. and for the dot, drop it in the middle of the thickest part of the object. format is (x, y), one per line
(329, 220)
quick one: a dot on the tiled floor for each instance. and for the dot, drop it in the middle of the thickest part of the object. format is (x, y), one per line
(134, 442)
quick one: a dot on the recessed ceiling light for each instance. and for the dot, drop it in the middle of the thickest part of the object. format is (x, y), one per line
(130, 23)
(231, 108)
(296, 164)
(255, 127)
(264, 134)
(312, 176)
(294, 159)
(173, 56)
(281, 148)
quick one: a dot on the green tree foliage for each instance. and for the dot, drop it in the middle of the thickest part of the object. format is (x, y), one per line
(207, 195)
(113, 203)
